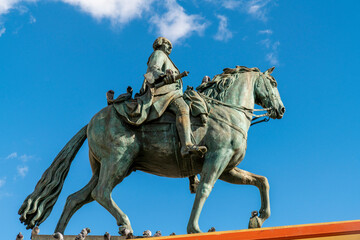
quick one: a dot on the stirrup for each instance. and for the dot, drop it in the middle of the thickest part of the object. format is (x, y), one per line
(194, 149)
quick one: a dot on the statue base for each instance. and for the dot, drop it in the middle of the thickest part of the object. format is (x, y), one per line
(72, 237)
(348, 230)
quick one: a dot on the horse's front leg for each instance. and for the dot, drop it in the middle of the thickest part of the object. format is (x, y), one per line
(239, 176)
(214, 165)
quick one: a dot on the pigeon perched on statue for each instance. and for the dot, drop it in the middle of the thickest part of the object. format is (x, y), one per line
(35, 231)
(157, 234)
(79, 237)
(85, 231)
(147, 233)
(206, 79)
(110, 96)
(212, 229)
(107, 236)
(254, 221)
(82, 235)
(19, 236)
(58, 236)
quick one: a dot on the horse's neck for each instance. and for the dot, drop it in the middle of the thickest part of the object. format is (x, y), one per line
(241, 93)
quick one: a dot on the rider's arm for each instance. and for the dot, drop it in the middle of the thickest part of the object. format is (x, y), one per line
(156, 61)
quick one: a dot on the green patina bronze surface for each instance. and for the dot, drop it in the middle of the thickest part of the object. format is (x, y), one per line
(117, 148)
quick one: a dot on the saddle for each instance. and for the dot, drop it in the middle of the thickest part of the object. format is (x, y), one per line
(135, 110)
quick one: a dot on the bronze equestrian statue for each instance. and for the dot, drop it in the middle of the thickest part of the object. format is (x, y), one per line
(137, 134)
(167, 93)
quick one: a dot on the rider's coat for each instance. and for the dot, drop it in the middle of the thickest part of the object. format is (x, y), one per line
(158, 63)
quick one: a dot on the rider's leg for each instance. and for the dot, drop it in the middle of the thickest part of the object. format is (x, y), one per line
(183, 125)
(181, 110)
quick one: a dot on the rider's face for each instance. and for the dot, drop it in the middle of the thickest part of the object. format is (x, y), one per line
(166, 47)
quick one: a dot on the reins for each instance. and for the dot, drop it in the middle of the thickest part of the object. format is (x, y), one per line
(247, 111)
(260, 121)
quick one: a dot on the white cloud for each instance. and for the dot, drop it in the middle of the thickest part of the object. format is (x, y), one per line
(26, 157)
(32, 19)
(119, 11)
(2, 181)
(275, 45)
(2, 31)
(12, 155)
(223, 33)
(5, 194)
(256, 8)
(22, 170)
(266, 31)
(266, 42)
(6, 5)
(272, 56)
(175, 24)
(231, 4)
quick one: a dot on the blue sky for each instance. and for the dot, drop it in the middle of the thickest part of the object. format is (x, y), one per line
(58, 59)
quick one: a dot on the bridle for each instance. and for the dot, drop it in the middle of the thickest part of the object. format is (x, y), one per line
(249, 112)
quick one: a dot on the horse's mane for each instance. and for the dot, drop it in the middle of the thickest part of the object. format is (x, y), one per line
(220, 83)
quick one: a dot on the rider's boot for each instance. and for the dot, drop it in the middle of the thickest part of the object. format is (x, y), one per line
(184, 130)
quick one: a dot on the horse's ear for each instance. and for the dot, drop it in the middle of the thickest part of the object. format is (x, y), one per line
(270, 70)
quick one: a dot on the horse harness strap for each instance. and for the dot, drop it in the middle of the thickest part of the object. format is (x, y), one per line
(239, 129)
(248, 112)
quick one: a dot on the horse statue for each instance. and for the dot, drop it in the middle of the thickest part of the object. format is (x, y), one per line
(116, 149)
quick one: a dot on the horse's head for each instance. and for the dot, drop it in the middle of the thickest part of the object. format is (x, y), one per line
(267, 94)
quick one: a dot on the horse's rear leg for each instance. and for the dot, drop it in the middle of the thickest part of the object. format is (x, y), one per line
(78, 199)
(112, 172)
(74, 202)
(239, 176)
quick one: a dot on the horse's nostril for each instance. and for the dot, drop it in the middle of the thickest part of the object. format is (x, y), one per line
(282, 110)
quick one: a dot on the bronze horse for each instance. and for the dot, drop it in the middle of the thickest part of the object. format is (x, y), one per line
(116, 149)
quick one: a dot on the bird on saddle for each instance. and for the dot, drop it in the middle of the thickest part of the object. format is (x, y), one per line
(162, 79)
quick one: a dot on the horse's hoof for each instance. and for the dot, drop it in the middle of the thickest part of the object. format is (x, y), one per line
(193, 230)
(123, 231)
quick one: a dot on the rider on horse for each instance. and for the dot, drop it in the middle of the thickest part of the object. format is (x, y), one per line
(168, 93)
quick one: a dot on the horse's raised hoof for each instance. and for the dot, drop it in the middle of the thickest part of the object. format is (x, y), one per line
(194, 183)
(255, 221)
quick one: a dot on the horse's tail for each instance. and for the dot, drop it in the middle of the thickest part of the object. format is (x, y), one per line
(38, 205)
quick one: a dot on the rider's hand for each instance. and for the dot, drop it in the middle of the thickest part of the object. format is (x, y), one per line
(169, 78)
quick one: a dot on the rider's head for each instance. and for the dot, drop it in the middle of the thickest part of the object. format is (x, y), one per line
(163, 44)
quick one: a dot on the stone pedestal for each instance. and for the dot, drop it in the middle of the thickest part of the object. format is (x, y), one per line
(72, 237)
(348, 230)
